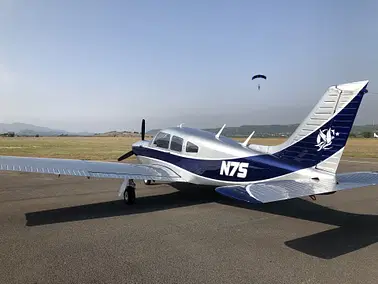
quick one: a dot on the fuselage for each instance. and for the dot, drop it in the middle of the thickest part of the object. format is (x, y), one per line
(202, 158)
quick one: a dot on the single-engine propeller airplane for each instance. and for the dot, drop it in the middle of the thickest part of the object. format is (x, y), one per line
(304, 165)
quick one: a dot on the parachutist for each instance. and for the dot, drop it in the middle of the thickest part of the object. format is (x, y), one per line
(258, 76)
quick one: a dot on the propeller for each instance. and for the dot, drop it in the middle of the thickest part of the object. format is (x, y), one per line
(143, 130)
(125, 156)
(130, 153)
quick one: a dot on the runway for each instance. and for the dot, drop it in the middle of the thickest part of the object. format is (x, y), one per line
(74, 230)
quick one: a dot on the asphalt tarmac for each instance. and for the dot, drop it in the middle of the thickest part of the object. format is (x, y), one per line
(74, 230)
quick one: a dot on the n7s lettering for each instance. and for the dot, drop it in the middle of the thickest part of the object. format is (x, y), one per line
(230, 168)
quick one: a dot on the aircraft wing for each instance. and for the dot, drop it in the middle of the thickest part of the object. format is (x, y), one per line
(88, 168)
(270, 191)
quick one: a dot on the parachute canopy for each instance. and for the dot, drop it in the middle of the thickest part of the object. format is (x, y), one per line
(258, 76)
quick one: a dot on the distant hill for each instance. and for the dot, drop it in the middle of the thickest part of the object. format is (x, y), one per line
(25, 129)
(272, 130)
(260, 130)
(118, 134)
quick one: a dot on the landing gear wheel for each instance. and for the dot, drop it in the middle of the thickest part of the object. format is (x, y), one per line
(129, 195)
(147, 181)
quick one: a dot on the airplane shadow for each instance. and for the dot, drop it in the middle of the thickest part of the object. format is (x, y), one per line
(185, 196)
(353, 232)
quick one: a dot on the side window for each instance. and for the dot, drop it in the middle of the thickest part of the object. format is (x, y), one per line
(176, 143)
(191, 148)
(162, 140)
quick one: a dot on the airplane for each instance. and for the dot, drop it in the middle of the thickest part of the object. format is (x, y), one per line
(304, 165)
(375, 135)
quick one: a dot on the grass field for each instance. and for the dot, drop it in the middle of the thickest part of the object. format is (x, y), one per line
(110, 148)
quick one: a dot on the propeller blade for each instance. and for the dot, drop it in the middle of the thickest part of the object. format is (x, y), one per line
(143, 130)
(130, 153)
(125, 156)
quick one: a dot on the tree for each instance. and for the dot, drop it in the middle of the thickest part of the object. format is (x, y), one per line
(366, 134)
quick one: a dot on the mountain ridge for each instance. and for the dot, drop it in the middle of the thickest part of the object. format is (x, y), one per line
(26, 129)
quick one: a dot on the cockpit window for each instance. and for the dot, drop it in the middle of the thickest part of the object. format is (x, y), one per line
(162, 140)
(176, 143)
(191, 148)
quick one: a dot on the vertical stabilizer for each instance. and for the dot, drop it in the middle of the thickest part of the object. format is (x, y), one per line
(320, 139)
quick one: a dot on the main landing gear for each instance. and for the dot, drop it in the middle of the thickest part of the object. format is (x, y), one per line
(128, 191)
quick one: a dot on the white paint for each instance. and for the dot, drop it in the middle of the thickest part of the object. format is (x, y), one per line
(242, 169)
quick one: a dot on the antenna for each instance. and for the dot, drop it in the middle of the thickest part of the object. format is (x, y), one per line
(220, 131)
(245, 143)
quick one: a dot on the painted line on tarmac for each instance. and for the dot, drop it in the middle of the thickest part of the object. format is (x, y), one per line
(360, 162)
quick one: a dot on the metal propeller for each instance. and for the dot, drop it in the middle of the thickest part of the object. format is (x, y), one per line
(130, 153)
(143, 129)
(125, 156)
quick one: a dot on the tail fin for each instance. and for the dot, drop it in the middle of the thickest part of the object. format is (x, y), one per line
(320, 139)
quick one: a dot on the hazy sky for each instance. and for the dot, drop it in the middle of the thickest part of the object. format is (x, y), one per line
(86, 65)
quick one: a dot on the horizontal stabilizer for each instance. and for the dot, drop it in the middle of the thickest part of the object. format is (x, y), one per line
(356, 179)
(270, 191)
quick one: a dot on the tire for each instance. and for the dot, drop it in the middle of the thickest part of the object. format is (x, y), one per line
(129, 195)
(147, 181)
